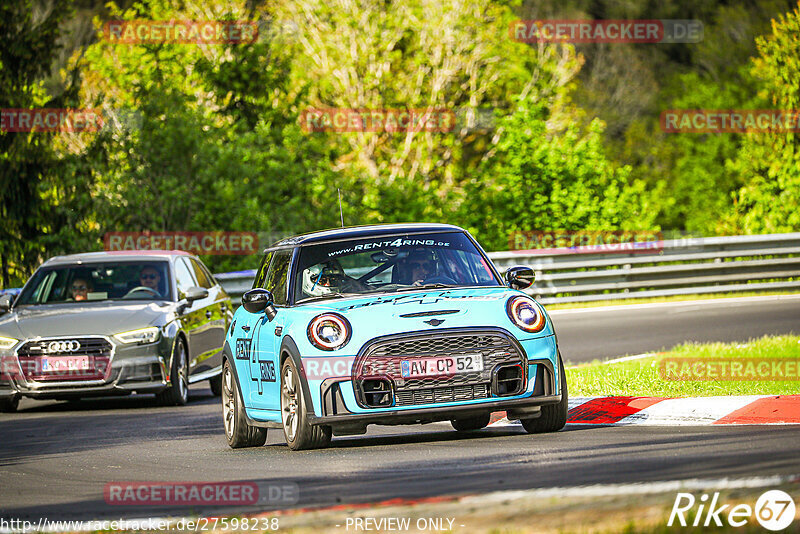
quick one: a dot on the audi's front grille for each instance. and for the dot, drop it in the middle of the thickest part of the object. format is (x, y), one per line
(65, 359)
(383, 359)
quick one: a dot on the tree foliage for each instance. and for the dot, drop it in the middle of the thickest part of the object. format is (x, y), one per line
(769, 162)
(208, 137)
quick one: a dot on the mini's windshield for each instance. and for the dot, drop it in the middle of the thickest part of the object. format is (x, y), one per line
(98, 282)
(387, 264)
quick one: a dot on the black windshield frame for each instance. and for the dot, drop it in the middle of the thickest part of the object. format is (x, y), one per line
(164, 267)
(301, 261)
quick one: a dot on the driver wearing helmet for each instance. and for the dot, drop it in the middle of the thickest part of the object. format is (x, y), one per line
(328, 278)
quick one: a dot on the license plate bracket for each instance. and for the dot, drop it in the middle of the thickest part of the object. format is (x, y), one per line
(439, 366)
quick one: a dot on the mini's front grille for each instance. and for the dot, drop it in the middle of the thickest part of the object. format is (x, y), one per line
(383, 359)
(65, 359)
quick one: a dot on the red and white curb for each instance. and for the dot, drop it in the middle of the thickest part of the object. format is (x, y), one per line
(742, 410)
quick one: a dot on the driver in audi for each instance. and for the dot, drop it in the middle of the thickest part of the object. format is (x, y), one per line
(150, 278)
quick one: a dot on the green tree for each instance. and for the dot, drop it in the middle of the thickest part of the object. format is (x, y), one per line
(42, 189)
(769, 162)
(426, 54)
(545, 179)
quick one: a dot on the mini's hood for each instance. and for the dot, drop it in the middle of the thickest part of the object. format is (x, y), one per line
(380, 315)
(101, 318)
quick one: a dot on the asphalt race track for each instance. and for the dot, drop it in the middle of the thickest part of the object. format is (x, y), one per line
(57, 457)
(588, 334)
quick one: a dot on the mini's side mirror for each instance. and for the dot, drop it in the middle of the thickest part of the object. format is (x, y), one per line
(520, 277)
(195, 293)
(5, 303)
(259, 300)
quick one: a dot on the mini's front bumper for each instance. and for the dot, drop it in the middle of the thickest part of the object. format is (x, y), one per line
(357, 423)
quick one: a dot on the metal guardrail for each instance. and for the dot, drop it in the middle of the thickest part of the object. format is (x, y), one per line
(690, 266)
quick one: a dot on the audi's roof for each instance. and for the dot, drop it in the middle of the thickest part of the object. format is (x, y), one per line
(115, 255)
(360, 232)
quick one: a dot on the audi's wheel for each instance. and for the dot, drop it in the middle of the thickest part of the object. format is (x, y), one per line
(9, 404)
(177, 393)
(216, 385)
(298, 432)
(238, 433)
(553, 416)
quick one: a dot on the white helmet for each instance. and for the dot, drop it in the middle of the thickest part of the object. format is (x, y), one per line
(323, 279)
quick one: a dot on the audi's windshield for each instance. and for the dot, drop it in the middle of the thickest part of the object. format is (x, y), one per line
(390, 263)
(79, 283)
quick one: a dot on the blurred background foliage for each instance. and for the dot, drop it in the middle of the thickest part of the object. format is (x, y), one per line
(548, 136)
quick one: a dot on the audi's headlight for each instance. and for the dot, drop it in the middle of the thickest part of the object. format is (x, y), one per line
(142, 336)
(7, 342)
(525, 313)
(329, 331)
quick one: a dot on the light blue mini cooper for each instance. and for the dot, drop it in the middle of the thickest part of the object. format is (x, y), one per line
(391, 324)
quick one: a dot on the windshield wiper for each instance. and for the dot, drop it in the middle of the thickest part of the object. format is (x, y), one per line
(330, 296)
(425, 286)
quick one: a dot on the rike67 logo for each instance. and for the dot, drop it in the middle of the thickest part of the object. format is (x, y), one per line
(774, 510)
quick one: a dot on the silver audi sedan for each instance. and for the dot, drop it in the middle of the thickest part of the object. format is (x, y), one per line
(111, 323)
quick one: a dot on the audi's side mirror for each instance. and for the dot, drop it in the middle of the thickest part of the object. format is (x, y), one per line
(259, 300)
(5, 303)
(195, 293)
(520, 277)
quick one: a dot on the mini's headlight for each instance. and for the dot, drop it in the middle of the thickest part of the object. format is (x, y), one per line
(7, 342)
(142, 336)
(329, 331)
(525, 313)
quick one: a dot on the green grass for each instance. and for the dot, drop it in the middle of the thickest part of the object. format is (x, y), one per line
(645, 376)
(674, 298)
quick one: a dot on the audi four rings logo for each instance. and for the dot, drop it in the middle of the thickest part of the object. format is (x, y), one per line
(63, 346)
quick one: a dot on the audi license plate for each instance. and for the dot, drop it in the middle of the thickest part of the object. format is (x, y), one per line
(443, 365)
(57, 364)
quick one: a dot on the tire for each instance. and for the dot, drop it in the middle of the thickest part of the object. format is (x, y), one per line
(216, 385)
(554, 416)
(238, 433)
(178, 391)
(468, 424)
(299, 434)
(10, 404)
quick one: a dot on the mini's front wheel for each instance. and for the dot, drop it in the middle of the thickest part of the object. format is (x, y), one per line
(298, 432)
(238, 433)
(553, 416)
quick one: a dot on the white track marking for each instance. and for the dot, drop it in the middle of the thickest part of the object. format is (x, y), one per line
(672, 304)
(689, 411)
(604, 490)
